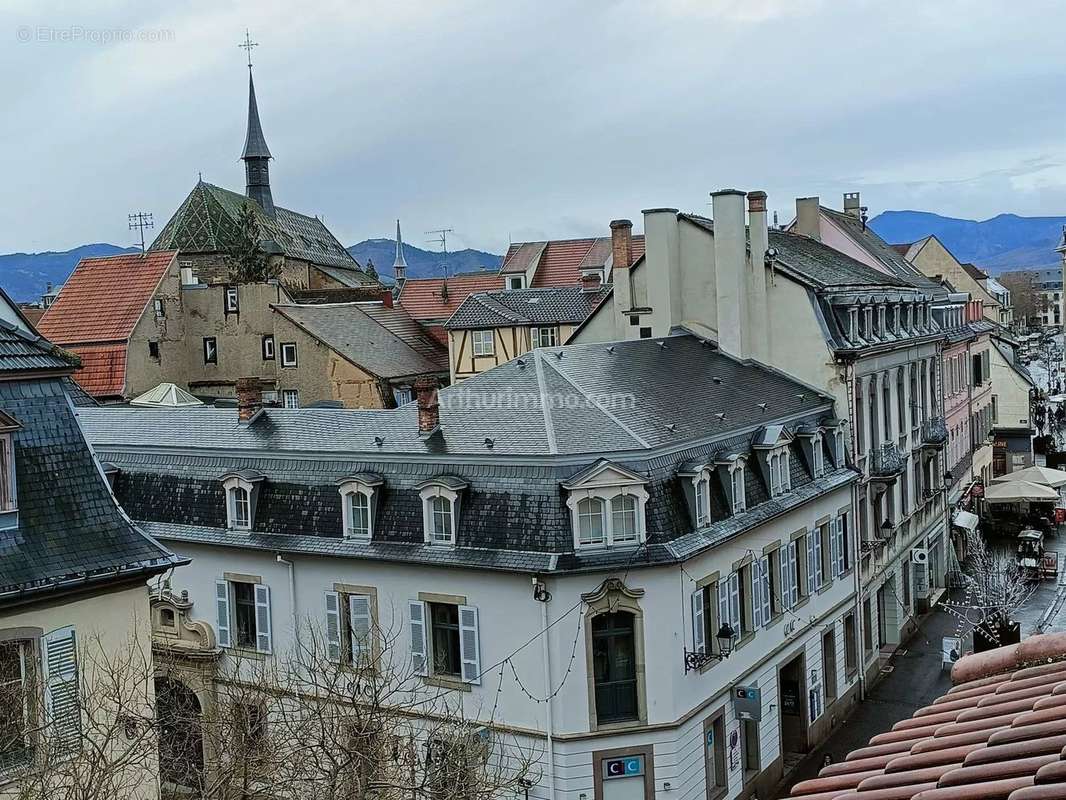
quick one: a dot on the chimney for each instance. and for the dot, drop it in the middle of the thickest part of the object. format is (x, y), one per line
(428, 406)
(759, 243)
(622, 243)
(386, 297)
(808, 216)
(590, 282)
(249, 399)
(731, 272)
(852, 206)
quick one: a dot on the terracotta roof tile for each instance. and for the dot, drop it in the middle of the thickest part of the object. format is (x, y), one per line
(999, 734)
(425, 298)
(104, 297)
(103, 369)
(559, 262)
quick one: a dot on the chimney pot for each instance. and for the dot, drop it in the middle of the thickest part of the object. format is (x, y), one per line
(428, 405)
(756, 202)
(249, 398)
(622, 243)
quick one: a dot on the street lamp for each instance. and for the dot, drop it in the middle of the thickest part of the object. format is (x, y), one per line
(726, 638)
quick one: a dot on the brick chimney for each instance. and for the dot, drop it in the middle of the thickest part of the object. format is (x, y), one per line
(428, 406)
(808, 217)
(590, 282)
(622, 243)
(249, 398)
(852, 205)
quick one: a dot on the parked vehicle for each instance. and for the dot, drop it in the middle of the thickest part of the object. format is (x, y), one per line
(1031, 554)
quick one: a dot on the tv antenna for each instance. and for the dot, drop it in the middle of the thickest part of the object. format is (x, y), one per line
(139, 221)
(440, 237)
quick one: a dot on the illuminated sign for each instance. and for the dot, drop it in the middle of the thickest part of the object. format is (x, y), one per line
(747, 702)
(624, 767)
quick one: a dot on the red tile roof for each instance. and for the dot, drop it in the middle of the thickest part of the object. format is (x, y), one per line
(425, 299)
(1000, 733)
(560, 261)
(103, 369)
(104, 297)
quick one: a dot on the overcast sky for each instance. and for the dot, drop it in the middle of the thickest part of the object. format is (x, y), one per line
(527, 119)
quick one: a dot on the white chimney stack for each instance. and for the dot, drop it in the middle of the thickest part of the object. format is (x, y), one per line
(759, 243)
(808, 217)
(731, 271)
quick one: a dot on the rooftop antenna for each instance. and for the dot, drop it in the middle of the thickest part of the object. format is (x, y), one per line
(440, 236)
(139, 221)
(247, 45)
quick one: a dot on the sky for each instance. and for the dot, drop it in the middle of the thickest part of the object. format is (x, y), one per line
(512, 120)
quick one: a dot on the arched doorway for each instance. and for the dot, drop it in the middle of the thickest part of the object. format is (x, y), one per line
(181, 741)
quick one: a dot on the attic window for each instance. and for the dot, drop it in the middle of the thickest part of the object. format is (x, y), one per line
(357, 505)
(516, 282)
(780, 477)
(817, 456)
(736, 487)
(607, 507)
(242, 492)
(160, 308)
(8, 493)
(440, 508)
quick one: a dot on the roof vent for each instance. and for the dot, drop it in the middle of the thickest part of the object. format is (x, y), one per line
(662, 345)
(720, 416)
(672, 427)
(489, 442)
(559, 355)
(716, 380)
(532, 299)
(802, 397)
(763, 407)
(521, 364)
(379, 441)
(610, 348)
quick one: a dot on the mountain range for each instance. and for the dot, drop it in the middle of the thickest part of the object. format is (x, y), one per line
(421, 263)
(1000, 244)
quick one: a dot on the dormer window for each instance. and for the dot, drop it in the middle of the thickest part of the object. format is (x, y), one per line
(357, 504)
(868, 322)
(736, 484)
(242, 491)
(853, 323)
(780, 477)
(440, 508)
(882, 330)
(839, 452)
(703, 500)
(607, 504)
(817, 460)
(8, 485)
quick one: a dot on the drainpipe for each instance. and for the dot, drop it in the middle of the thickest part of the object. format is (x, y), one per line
(860, 650)
(541, 594)
(292, 591)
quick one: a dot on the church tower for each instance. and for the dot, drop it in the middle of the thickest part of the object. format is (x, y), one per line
(256, 155)
(399, 266)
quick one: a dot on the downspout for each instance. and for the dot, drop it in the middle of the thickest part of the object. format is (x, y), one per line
(541, 594)
(849, 385)
(292, 591)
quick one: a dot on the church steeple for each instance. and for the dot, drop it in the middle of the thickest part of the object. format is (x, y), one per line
(256, 155)
(399, 266)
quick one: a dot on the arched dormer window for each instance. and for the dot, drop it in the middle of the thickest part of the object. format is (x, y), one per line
(358, 512)
(607, 506)
(440, 508)
(242, 493)
(8, 484)
(772, 446)
(738, 494)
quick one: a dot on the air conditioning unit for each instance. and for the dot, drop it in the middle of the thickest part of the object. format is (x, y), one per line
(919, 555)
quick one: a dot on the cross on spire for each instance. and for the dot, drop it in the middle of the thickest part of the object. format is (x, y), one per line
(248, 44)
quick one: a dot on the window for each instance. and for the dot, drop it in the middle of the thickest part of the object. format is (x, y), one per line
(515, 282)
(729, 609)
(249, 729)
(780, 478)
(814, 559)
(645, 333)
(790, 575)
(484, 344)
(544, 337)
(153, 349)
(441, 520)
(590, 522)
(210, 350)
(8, 493)
(736, 482)
(763, 596)
(867, 626)
(268, 348)
(829, 664)
(445, 640)
(240, 508)
(634, 320)
(703, 501)
(231, 300)
(614, 667)
(624, 525)
(243, 615)
(715, 750)
(817, 457)
(159, 307)
(358, 523)
(624, 519)
(839, 449)
(290, 398)
(348, 627)
(440, 509)
(750, 739)
(288, 354)
(839, 561)
(402, 395)
(15, 692)
(851, 644)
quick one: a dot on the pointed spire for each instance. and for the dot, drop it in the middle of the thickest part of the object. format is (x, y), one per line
(399, 266)
(256, 156)
(255, 145)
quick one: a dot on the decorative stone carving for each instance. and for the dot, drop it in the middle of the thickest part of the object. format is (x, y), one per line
(175, 633)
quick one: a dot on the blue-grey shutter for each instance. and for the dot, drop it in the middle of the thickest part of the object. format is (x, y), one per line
(819, 578)
(811, 586)
(699, 624)
(59, 657)
(734, 603)
(416, 619)
(767, 605)
(756, 594)
(834, 549)
(264, 641)
(723, 604)
(469, 646)
(222, 613)
(359, 615)
(333, 626)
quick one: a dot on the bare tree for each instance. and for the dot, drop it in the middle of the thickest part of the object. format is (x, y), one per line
(1028, 300)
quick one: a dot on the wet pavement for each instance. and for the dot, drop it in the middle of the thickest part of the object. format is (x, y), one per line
(1044, 612)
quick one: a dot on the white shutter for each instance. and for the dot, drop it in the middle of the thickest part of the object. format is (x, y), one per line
(792, 588)
(699, 623)
(834, 549)
(416, 618)
(723, 605)
(63, 711)
(333, 626)
(222, 613)
(469, 646)
(819, 578)
(756, 594)
(263, 639)
(359, 609)
(734, 602)
(767, 605)
(842, 546)
(810, 562)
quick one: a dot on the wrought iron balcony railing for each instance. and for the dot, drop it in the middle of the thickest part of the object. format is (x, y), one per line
(934, 432)
(886, 462)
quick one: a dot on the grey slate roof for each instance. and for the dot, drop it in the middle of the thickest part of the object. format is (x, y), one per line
(560, 305)
(255, 145)
(589, 398)
(359, 337)
(70, 531)
(21, 350)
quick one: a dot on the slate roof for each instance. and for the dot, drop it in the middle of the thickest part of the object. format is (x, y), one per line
(104, 298)
(206, 222)
(255, 145)
(426, 299)
(559, 262)
(22, 350)
(362, 339)
(562, 305)
(70, 531)
(1000, 732)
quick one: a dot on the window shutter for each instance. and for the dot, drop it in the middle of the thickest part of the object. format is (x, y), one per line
(723, 603)
(756, 594)
(734, 602)
(793, 574)
(834, 549)
(818, 577)
(469, 646)
(333, 626)
(222, 613)
(767, 606)
(699, 623)
(359, 608)
(263, 638)
(810, 562)
(62, 709)
(416, 618)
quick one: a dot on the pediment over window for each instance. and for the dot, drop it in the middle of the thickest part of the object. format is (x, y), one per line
(772, 436)
(604, 473)
(368, 479)
(612, 586)
(451, 482)
(244, 475)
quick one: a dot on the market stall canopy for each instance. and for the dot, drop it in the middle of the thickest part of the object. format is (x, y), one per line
(1045, 476)
(167, 395)
(965, 520)
(1020, 491)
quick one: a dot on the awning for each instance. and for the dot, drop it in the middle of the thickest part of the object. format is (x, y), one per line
(965, 520)
(1042, 475)
(1020, 491)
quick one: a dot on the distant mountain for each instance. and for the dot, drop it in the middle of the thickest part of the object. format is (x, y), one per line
(25, 276)
(421, 263)
(1005, 242)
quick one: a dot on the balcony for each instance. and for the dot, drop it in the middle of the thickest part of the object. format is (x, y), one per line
(934, 433)
(886, 463)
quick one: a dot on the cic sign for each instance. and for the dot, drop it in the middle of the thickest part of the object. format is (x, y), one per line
(623, 767)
